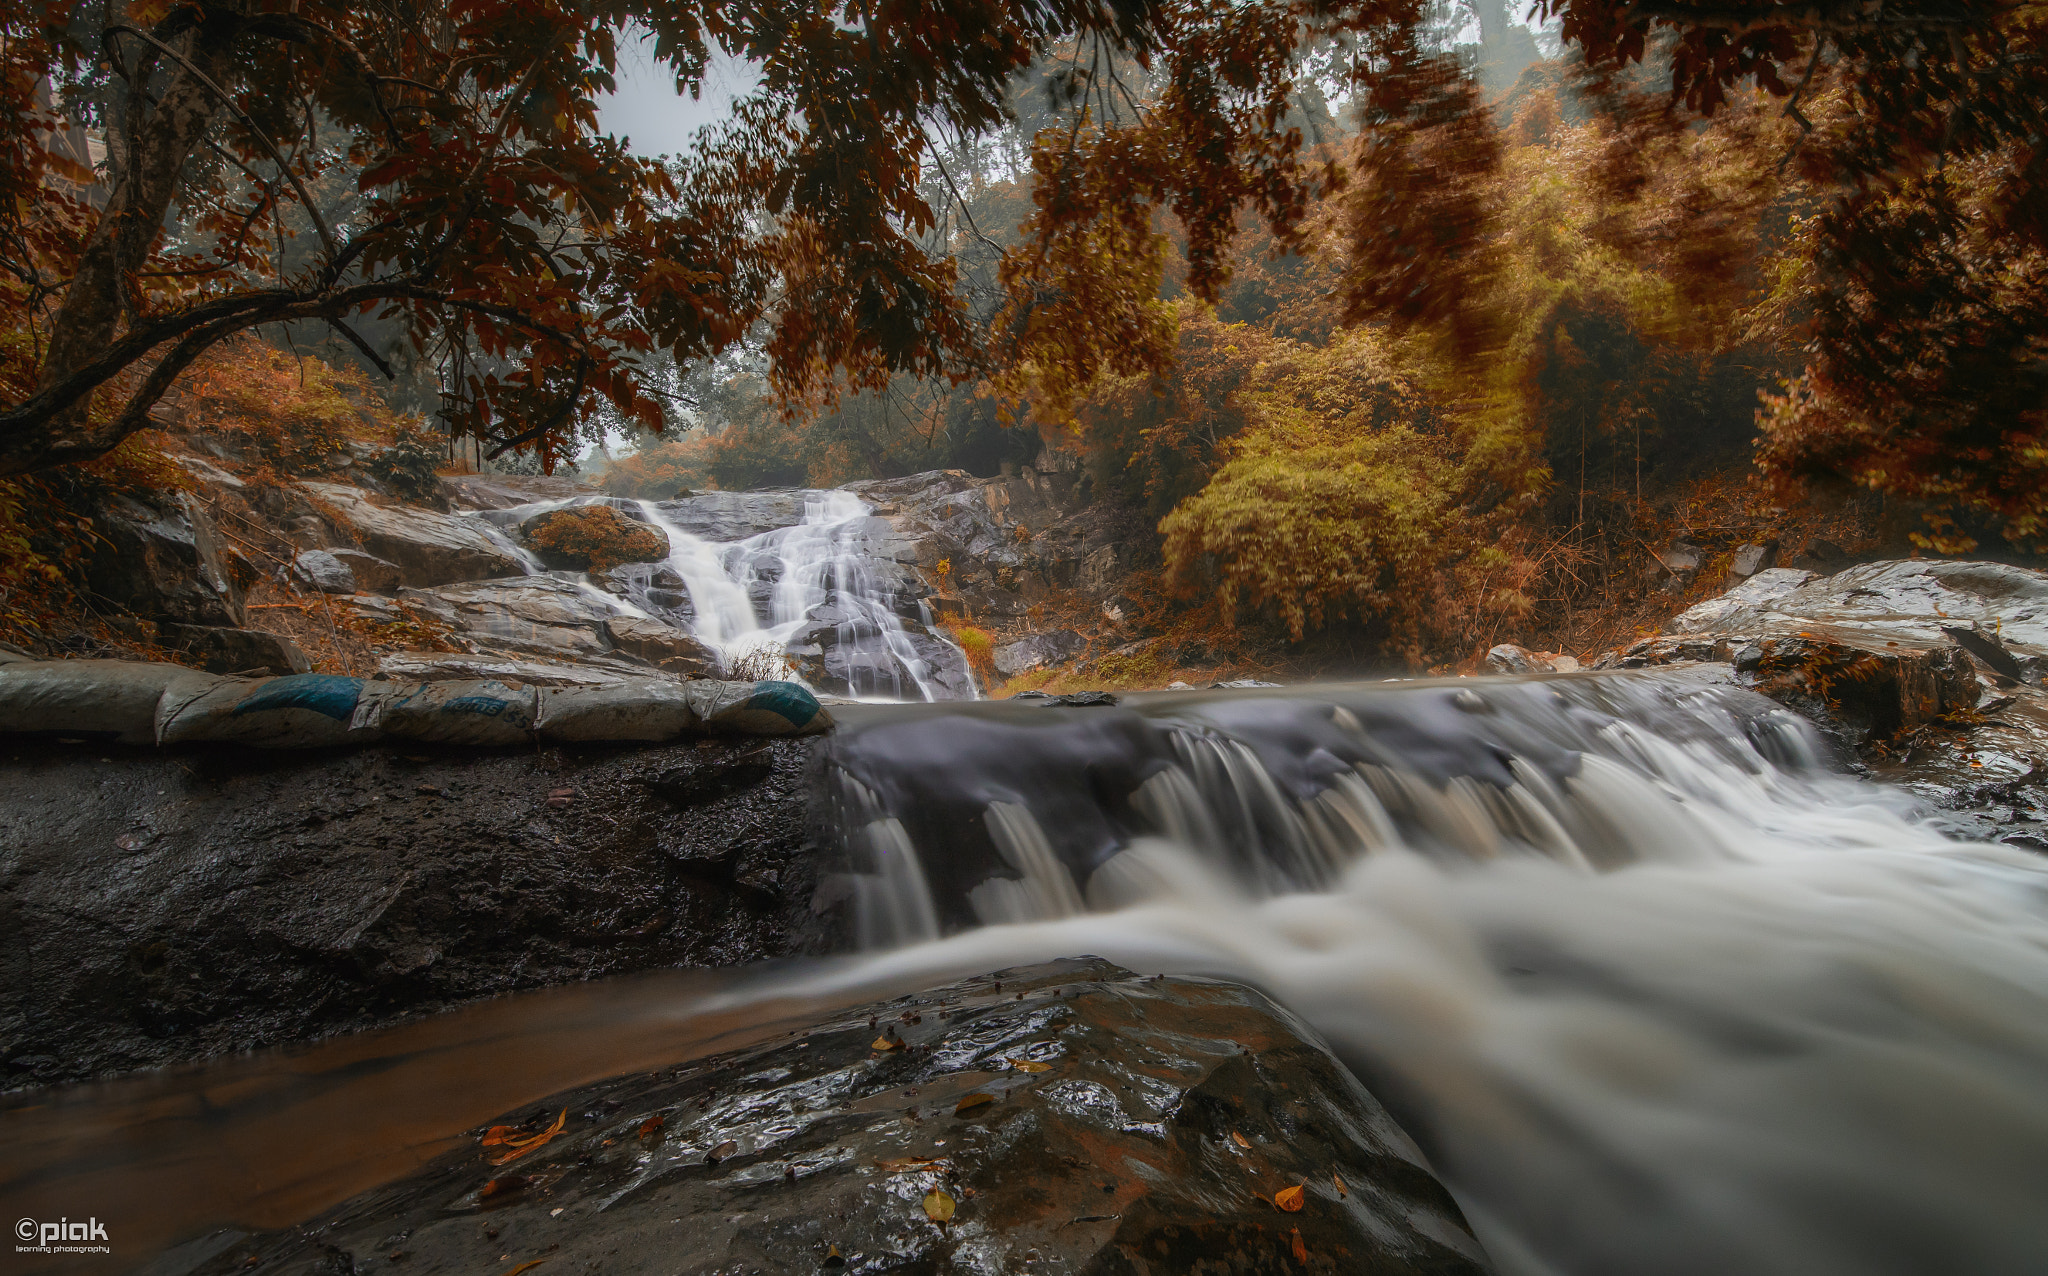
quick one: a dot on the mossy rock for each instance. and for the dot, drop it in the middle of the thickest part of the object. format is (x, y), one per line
(592, 538)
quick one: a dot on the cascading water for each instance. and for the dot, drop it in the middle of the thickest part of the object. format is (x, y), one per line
(811, 597)
(1657, 989)
(810, 601)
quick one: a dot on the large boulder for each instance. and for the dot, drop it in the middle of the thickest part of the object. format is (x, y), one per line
(183, 905)
(592, 538)
(725, 517)
(428, 549)
(163, 562)
(1038, 651)
(545, 615)
(662, 645)
(442, 666)
(318, 569)
(1069, 1117)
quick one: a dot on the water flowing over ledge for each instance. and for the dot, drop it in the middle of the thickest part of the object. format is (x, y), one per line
(1655, 987)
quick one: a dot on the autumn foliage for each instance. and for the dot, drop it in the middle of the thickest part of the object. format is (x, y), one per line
(594, 538)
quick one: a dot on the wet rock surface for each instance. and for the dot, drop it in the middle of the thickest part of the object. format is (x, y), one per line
(1066, 1117)
(163, 562)
(427, 547)
(1929, 672)
(165, 907)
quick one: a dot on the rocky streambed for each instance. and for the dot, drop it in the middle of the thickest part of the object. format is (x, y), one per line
(1068, 1117)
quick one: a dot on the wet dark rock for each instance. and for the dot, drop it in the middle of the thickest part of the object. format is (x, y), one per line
(163, 562)
(1928, 670)
(223, 650)
(735, 516)
(1073, 699)
(1038, 651)
(427, 547)
(1157, 1122)
(1241, 684)
(662, 645)
(1751, 559)
(507, 491)
(173, 907)
(438, 666)
(371, 572)
(321, 570)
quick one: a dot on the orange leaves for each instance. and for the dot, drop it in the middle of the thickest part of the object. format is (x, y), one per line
(1289, 1199)
(516, 1144)
(973, 1102)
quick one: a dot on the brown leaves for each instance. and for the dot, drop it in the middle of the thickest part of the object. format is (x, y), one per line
(517, 1144)
(1028, 1065)
(651, 1126)
(973, 1102)
(1295, 1245)
(715, 1155)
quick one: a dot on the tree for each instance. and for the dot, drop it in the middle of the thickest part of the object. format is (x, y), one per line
(536, 260)
(1916, 286)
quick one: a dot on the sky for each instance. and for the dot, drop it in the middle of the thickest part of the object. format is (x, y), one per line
(652, 115)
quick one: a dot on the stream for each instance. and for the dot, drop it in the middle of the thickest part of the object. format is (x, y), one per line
(1656, 984)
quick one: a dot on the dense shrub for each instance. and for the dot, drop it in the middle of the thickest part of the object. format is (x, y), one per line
(1349, 494)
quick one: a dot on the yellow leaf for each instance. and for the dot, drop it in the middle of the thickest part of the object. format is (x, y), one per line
(1289, 1198)
(970, 1102)
(531, 1262)
(883, 1043)
(938, 1207)
(1028, 1065)
(1240, 1140)
(1341, 1189)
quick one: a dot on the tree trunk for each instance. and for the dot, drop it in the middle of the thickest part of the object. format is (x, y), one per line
(149, 161)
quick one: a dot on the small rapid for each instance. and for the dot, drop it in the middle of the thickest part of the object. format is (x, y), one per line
(1656, 987)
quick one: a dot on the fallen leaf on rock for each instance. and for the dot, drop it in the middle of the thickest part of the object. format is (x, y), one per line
(567, 793)
(970, 1102)
(1289, 1198)
(1341, 1189)
(531, 1262)
(1300, 1250)
(1239, 1139)
(723, 1150)
(833, 1258)
(938, 1207)
(516, 1144)
(651, 1125)
(898, 1164)
(883, 1043)
(1028, 1065)
(504, 1185)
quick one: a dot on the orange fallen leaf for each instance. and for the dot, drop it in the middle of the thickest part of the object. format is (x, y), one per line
(531, 1262)
(728, 1148)
(1341, 1189)
(504, 1185)
(1300, 1250)
(517, 1145)
(1240, 1140)
(883, 1043)
(938, 1207)
(833, 1258)
(650, 1125)
(897, 1164)
(1028, 1065)
(970, 1102)
(1289, 1198)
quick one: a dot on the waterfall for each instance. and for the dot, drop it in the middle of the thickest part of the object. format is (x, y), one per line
(1656, 986)
(808, 598)
(809, 602)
